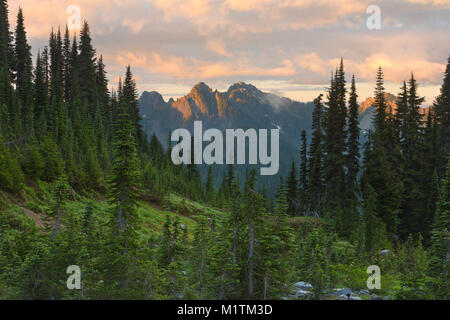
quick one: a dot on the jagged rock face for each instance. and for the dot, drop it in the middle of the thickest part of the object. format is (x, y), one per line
(241, 106)
(367, 111)
(390, 101)
(202, 102)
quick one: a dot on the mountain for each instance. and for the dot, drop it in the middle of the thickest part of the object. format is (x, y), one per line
(241, 106)
(367, 111)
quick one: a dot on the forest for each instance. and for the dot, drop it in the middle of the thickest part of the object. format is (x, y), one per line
(82, 184)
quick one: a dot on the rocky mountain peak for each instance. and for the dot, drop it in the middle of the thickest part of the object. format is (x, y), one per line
(390, 100)
(153, 98)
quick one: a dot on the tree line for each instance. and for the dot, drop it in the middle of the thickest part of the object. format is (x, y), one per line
(59, 123)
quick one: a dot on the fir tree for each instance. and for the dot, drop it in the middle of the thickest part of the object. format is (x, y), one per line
(86, 69)
(334, 143)
(315, 181)
(353, 154)
(23, 72)
(442, 111)
(303, 179)
(292, 191)
(379, 170)
(439, 265)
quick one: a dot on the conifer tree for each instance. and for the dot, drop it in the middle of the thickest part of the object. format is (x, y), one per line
(11, 176)
(86, 69)
(439, 264)
(442, 112)
(292, 191)
(125, 175)
(200, 257)
(7, 61)
(353, 154)
(334, 143)
(315, 181)
(303, 179)
(40, 96)
(412, 154)
(276, 250)
(23, 72)
(379, 171)
(129, 96)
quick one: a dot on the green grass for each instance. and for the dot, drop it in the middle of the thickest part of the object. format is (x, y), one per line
(37, 199)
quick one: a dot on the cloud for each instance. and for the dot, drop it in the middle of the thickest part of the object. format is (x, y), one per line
(192, 68)
(298, 42)
(219, 47)
(395, 70)
(438, 3)
(135, 26)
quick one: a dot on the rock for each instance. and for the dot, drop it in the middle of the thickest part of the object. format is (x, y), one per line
(363, 292)
(343, 297)
(375, 297)
(303, 286)
(355, 298)
(302, 294)
(387, 298)
(339, 292)
(385, 252)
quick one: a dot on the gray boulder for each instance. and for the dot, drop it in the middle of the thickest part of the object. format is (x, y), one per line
(343, 297)
(363, 292)
(302, 294)
(303, 286)
(355, 298)
(339, 292)
(385, 253)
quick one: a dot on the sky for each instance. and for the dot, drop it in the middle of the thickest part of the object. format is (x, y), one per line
(287, 47)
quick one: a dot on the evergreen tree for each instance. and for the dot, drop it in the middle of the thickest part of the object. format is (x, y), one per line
(315, 181)
(303, 180)
(23, 72)
(411, 143)
(125, 175)
(7, 61)
(124, 188)
(40, 96)
(353, 154)
(439, 264)
(379, 171)
(442, 111)
(334, 143)
(11, 176)
(292, 191)
(200, 257)
(129, 96)
(276, 250)
(86, 69)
